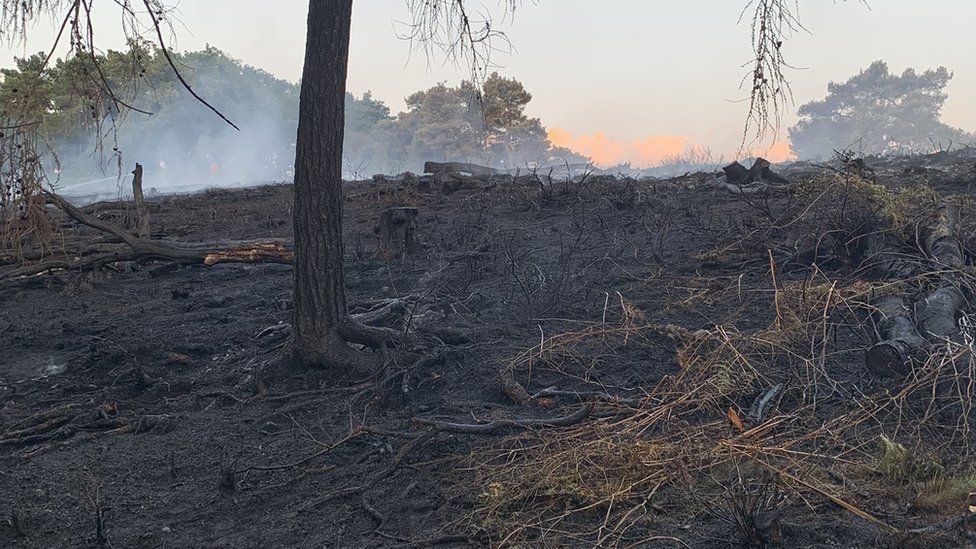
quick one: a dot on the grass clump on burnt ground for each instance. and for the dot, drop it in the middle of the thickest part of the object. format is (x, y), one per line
(616, 363)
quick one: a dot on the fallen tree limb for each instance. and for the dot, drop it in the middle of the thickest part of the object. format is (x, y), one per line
(939, 241)
(259, 252)
(459, 167)
(71, 263)
(145, 248)
(935, 314)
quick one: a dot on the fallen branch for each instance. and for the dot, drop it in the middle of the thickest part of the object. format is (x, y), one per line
(145, 248)
(581, 395)
(501, 424)
(458, 168)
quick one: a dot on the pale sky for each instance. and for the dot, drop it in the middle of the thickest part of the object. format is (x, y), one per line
(615, 73)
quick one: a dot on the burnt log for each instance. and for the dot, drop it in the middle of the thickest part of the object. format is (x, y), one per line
(759, 166)
(398, 232)
(761, 171)
(260, 252)
(134, 248)
(459, 168)
(900, 340)
(931, 319)
(939, 241)
(935, 314)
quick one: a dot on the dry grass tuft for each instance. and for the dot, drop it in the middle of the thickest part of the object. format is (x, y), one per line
(611, 471)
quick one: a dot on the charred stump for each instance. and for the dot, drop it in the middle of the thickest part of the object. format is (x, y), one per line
(759, 179)
(737, 174)
(398, 232)
(142, 211)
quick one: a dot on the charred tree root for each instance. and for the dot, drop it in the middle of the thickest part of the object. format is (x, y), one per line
(434, 428)
(369, 328)
(65, 421)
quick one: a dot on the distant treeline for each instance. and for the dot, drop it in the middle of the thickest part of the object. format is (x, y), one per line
(876, 112)
(91, 135)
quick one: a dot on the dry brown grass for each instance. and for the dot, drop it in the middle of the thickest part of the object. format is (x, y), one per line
(597, 483)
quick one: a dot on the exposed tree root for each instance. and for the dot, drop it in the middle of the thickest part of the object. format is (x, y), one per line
(503, 424)
(63, 422)
(434, 428)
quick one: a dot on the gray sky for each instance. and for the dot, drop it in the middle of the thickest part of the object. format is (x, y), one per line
(607, 75)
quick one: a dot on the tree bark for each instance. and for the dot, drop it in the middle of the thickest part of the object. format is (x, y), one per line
(319, 299)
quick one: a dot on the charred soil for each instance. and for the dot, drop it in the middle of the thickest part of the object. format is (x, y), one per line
(693, 361)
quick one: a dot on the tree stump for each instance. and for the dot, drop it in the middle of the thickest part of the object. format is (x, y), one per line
(398, 232)
(142, 211)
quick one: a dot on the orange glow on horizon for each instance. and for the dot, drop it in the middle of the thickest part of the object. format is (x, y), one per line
(648, 152)
(780, 152)
(605, 151)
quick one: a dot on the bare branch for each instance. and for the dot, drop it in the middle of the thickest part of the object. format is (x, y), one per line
(773, 23)
(449, 27)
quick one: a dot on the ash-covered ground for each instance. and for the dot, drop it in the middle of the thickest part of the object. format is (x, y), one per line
(144, 404)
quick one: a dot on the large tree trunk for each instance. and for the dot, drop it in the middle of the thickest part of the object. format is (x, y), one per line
(319, 294)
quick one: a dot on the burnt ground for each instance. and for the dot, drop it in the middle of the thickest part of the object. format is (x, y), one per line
(193, 434)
